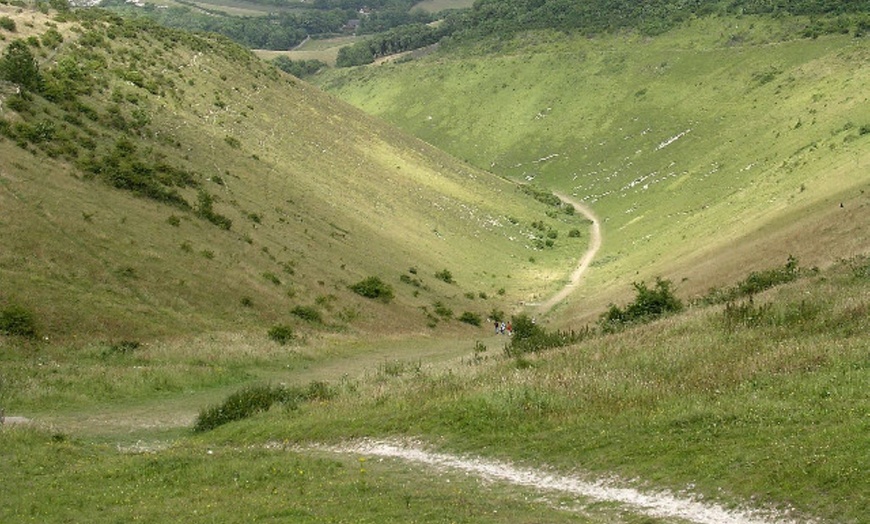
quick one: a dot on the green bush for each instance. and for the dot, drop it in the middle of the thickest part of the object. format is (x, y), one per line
(239, 405)
(205, 210)
(17, 65)
(445, 275)
(470, 318)
(442, 311)
(648, 305)
(308, 313)
(18, 321)
(374, 288)
(7, 23)
(756, 282)
(258, 398)
(528, 337)
(281, 333)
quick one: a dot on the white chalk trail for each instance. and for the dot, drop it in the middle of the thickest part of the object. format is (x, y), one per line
(662, 505)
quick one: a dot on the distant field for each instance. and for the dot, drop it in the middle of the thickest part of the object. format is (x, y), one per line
(434, 6)
(234, 7)
(325, 50)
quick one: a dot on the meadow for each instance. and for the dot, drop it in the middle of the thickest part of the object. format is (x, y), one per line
(690, 146)
(286, 242)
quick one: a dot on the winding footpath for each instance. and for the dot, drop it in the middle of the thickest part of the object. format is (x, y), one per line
(585, 260)
(654, 504)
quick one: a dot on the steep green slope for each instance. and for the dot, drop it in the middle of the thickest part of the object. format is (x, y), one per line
(154, 182)
(722, 145)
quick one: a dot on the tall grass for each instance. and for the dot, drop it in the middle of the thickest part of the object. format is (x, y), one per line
(695, 399)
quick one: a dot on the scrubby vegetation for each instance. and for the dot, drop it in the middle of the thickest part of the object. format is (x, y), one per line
(374, 288)
(649, 304)
(756, 282)
(255, 399)
(16, 320)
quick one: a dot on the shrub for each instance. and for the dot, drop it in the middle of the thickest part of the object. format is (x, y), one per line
(307, 313)
(648, 305)
(442, 310)
(281, 333)
(528, 337)
(256, 399)
(205, 210)
(374, 288)
(445, 275)
(7, 23)
(470, 318)
(18, 321)
(17, 65)
(239, 405)
(756, 282)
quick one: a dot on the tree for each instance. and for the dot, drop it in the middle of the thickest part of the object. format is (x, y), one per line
(19, 66)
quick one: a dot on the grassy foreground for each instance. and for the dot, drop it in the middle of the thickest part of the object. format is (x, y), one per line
(763, 404)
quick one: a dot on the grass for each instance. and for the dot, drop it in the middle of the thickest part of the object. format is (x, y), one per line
(695, 151)
(760, 402)
(337, 199)
(435, 6)
(323, 49)
(692, 402)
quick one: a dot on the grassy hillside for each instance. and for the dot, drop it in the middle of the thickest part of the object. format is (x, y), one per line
(722, 145)
(155, 183)
(167, 199)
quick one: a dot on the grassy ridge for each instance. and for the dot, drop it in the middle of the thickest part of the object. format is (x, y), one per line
(685, 144)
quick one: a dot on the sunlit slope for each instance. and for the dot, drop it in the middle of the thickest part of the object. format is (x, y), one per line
(317, 197)
(687, 145)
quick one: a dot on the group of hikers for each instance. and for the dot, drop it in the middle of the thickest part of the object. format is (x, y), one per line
(502, 328)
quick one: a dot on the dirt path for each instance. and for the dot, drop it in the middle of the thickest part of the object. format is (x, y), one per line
(585, 260)
(654, 504)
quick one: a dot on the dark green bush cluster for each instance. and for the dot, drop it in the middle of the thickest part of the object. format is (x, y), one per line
(308, 313)
(18, 321)
(445, 275)
(7, 23)
(374, 288)
(470, 318)
(256, 399)
(649, 304)
(205, 209)
(756, 282)
(281, 333)
(528, 337)
(18, 65)
(442, 310)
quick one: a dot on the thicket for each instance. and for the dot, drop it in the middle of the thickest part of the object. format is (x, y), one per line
(374, 288)
(400, 39)
(256, 399)
(649, 304)
(19, 66)
(529, 337)
(756, 282)
(16, 320)
(501, 17)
